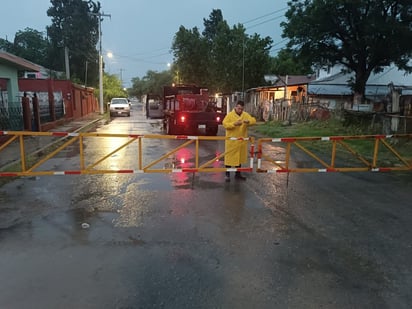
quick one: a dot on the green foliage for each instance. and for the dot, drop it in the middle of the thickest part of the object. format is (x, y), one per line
(74, 26)
(191, 55)
(287, 62)
(363, 36)
(29, 44)
(6, 45)
(257, 60)
(152, 82)
(221, 58)
(330, 127)
(212, 25)
(112, 88)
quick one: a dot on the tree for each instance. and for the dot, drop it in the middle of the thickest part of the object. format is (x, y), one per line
(216, 39)
(257, 60)
(287, 63)
(152, 82)
(6, 45)
(112, 87)
(363, 36)
(75, 26)
(191, 54)
(225, 56)
(223, 59)
(212, 25)
(31, 44)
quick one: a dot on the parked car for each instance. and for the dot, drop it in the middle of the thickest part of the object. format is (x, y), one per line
(119, 106)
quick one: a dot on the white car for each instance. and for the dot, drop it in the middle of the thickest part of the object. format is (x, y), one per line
(119, 106)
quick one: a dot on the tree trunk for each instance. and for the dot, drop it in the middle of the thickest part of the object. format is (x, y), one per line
(361, 77)
(395, 109)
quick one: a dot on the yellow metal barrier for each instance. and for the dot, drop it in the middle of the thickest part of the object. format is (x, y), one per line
(95, 163)
(376, 153)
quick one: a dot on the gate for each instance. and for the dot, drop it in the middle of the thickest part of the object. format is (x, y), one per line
(374, 153)
(92, 162)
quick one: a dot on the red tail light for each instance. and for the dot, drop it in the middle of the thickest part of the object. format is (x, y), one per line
(182, 118)
(217, 118)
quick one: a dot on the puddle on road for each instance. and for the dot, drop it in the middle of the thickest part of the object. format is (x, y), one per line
(58, 229)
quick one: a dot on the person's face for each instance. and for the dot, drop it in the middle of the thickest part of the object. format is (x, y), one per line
(238, 109)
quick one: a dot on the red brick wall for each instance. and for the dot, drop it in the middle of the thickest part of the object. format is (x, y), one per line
(78, 101)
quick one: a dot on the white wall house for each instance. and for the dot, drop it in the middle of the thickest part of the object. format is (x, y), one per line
(331, 88)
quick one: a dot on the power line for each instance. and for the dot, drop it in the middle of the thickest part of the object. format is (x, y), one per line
(142, 59)
(280, 42)
(144, 56)
(264, 22)
(263, 16)
(149, 53)
(272, 50)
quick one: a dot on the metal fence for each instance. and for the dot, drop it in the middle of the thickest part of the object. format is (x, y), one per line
(374, 122)
(286, 110)
(11, 118)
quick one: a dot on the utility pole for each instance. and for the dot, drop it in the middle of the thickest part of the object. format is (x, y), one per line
(121, 77)
(101, 15)
(85, 74)
(243, 69)
(66, 62)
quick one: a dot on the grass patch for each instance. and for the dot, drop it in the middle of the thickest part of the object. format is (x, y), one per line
(331, 127)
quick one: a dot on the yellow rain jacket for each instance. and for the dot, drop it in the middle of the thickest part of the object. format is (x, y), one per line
(236, 150)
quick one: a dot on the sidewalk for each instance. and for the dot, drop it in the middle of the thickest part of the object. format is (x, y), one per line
(33, 144)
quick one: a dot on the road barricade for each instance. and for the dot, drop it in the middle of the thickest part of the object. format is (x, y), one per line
(375, 153)
(107, 153)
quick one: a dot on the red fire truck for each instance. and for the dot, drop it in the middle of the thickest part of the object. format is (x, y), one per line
(188, 110)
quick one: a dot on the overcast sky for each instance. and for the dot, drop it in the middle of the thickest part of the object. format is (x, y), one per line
(139, 33)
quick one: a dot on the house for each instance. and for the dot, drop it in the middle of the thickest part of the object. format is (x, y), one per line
(10, 66)
(388, 93)
(58, 100)
(331, 89)
(274, 101)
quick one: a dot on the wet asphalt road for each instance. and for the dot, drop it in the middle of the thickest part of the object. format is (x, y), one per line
(194, 241)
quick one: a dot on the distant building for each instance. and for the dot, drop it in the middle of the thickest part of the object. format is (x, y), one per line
(271, 100)
(10, 67)
(331, 89)
(59, 100)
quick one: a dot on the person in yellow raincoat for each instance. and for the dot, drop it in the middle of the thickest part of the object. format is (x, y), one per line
(236, 124)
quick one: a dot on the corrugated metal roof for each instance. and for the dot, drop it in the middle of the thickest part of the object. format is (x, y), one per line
(279, 82)
(19, 63)
(328, 89)
(377, 85)
(389, 75)
(335, 89)
(294, 80)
